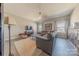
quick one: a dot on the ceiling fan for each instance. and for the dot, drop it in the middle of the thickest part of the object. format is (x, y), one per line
(42, 16)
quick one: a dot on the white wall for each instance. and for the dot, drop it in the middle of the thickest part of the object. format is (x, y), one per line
(75, 16)
(74, 19)
(18, 28)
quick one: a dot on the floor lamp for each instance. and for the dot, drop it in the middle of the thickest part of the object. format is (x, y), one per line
(9, 22)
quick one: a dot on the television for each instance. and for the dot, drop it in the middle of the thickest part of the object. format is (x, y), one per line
(28, 29)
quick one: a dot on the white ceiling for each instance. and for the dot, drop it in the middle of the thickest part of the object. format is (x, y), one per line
(30, 10)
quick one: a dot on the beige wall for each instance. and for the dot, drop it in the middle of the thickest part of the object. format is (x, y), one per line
(18, 28)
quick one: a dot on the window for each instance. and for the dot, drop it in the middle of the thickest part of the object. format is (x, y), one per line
(60, 26)
(39, 27)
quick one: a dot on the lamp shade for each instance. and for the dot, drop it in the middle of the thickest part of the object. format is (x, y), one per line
(9, 21)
